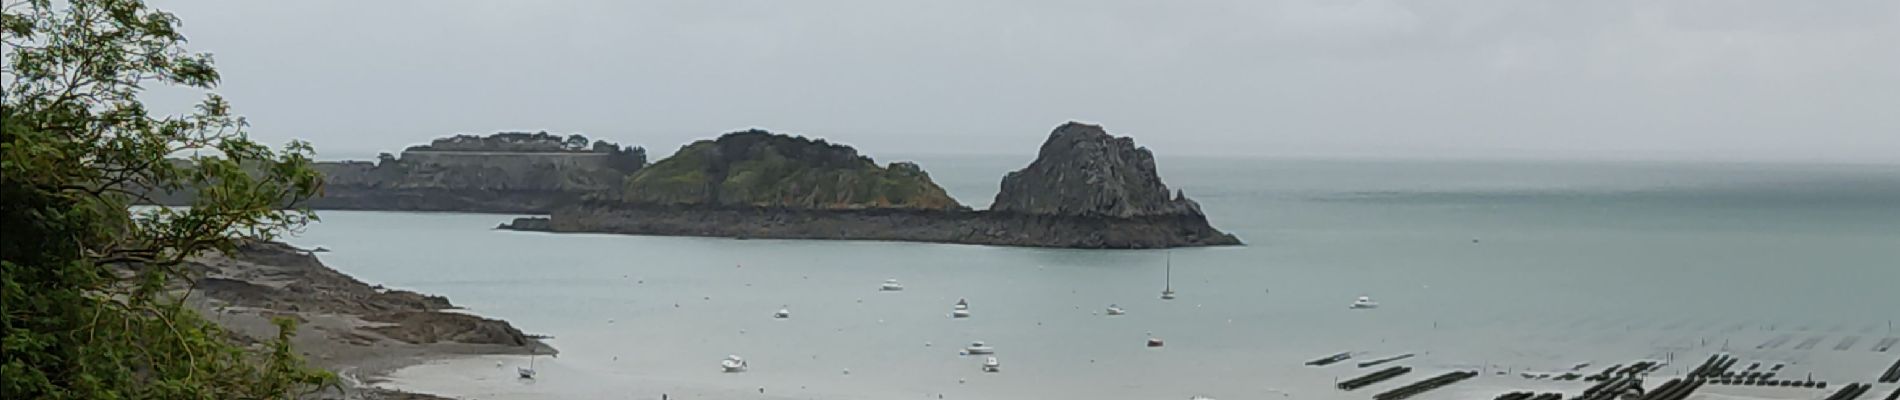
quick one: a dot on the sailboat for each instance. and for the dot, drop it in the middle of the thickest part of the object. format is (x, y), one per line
(528, 371)
(1167, 290)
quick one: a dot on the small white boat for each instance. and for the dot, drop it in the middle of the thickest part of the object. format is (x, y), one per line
(733, 364)
(977, 347)
(991, 365)
(891, 285)
(1364, 302)
(528, 371)
(962, 304)
(960, 313)
(782, 313)
(1113, 310)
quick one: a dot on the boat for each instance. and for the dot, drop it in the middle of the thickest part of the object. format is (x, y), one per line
(960, 313)
(528, 371)
(732, 363)
(782, 313)
(991, 365)
(891, 285)
(963, 304)
(977, 347)
(1114, 310)
(1364, 302)
(1167, 288)
(1154, 342)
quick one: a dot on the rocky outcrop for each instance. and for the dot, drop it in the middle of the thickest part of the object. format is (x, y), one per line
(356, 330)
(1086, 189)
(756, 168)
(1082, 170)
(937, 226)
(276, 277)
(509, 172)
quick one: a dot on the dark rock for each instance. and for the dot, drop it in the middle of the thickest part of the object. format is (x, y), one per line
(1082, 170)
(423, 327)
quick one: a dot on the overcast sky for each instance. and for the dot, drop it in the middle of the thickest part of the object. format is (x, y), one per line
(1782, 80)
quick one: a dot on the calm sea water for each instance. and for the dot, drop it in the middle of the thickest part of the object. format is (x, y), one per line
(1508, 265)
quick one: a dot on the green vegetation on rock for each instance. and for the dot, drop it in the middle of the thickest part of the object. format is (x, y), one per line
(759, 168)
(93, 294)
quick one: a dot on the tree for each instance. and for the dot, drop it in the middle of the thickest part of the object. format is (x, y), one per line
(93, 290)
(575, 142)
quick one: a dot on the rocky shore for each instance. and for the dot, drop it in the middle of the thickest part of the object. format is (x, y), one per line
(937, 226)
(1086, 189)
(358, 330)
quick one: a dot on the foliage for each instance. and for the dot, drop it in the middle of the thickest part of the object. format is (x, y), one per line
(93, 293)
(758, 168)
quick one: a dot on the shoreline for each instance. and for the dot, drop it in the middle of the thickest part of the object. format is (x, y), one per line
(974, 227)
(362, 332)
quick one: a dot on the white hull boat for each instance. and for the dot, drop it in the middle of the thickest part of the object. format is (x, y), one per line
(979, 348)
(1364, 303)
(782, 313)
(991, 365)
(1113, 310)
(891, 285)
(960, 313)
(732, 364)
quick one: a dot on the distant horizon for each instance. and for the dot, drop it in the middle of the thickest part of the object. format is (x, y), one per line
(916, 147)
(655, 154)
(1756, 80)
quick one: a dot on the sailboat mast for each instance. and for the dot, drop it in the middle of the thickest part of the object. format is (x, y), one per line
(1168, 282)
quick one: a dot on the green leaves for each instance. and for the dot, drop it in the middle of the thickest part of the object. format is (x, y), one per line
(92, 292)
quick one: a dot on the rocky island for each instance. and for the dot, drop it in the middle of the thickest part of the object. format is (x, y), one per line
(1086, 189)
(509, 172)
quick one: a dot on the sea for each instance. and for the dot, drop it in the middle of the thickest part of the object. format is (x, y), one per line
(1513, 269)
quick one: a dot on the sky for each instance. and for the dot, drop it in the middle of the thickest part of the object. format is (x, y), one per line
(1724, 80)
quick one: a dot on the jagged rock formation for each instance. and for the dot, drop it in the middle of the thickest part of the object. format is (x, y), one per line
(1086, 190)
(756, 168)
(274, 277)
(507, 172)
(1082, 170)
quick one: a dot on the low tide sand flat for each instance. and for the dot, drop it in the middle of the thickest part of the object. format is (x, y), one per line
(1846, 343)
(1809, 343)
